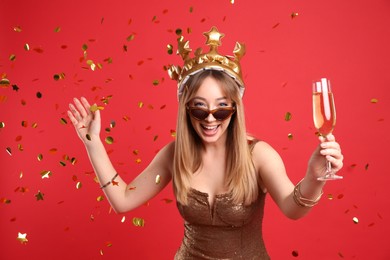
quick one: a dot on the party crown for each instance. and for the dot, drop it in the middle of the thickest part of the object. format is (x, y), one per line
(210, 60)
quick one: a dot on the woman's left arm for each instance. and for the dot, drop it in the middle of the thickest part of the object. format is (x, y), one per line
(295, 201)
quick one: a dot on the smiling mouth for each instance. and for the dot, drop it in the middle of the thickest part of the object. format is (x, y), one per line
(210, 130)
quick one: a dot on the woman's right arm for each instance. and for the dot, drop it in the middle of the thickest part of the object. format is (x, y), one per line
(122, 197)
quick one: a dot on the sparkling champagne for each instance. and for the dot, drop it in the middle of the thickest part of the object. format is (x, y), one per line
(324, 112)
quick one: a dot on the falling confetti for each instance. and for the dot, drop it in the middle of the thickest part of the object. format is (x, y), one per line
(63, 121)
(287, 116)
(45, 174)
(95, 107)
(374, 100)
(294, 15)
(100, 198)
(138, 222)
(39, 195)
(109, 140)
(158, 179)
(355, 220)
(22, 238)
(290, 136)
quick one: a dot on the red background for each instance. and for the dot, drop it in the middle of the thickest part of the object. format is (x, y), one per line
(345, 41)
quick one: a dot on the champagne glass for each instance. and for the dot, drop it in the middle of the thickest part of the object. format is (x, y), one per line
(324, 115)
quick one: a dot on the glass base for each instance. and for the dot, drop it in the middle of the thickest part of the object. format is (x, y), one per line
(329, 177)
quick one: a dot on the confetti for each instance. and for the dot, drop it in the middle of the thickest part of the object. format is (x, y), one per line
(140, 104)
(170, 49)
(5, 201)
(287, 116)
(138, 222)
(63, 121)
(295, 253)
(45, 174)
(355, 220)
(290, 136)
(158, 179)
(100, 198)
(109, 140)
(8, 149)
(12, 57)
(2, 124)
(167, 201)
(88, 137)
(57, 29)
(26, 47)
(22, 238)
(24, 123)
(374, 100)
(105, 100)
(138, 161)
(123, 219)
(294, 15)
(156, 82)
(17, 29)
(130, 37)
(79, 185)
(4, 82)
(40, 157)
(39, 195)
(95, 107)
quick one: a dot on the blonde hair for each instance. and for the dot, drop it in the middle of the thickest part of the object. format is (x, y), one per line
(241, 177)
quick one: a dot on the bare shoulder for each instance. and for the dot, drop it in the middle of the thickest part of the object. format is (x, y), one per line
(265, 157)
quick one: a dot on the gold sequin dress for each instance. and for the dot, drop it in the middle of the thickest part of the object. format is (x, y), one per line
(225, 231)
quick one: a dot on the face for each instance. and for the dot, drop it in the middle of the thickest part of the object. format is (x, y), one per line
(210, 96)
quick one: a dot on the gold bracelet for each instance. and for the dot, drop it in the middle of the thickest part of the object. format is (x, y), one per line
(108, 183)
(302, 201)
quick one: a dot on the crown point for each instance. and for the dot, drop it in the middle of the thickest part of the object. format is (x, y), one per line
(239, 50)
(213, 37)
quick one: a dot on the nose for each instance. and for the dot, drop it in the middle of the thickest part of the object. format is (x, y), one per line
(210, 118)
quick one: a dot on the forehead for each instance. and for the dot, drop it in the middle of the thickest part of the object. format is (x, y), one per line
(210, 89)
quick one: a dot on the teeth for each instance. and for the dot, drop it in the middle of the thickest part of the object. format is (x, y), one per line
(210, 127)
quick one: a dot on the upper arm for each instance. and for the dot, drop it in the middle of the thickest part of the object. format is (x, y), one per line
(272, 172)
(151, 180)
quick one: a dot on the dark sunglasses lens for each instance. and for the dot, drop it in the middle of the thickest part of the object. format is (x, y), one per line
(199, 113)
(222, 114)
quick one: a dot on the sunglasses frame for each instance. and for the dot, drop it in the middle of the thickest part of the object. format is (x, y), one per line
(232, 109)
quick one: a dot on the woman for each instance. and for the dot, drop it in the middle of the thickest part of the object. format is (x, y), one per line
(220, 174)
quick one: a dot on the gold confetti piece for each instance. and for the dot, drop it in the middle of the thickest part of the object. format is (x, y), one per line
(95, 107)
(136, 151)
(109, 140)
(73, 161)
(5, 200)
(108, 60)
(130, 37)
(88, 137)
(232, 1)
(84, 47)
(287, 116)
(294, 15)
(123, 219)
(290, 136)
(34, 125)
(20, 147)
(330, 196)
(40, 157)
(138, 160)
(8, 149)
(112, 124)
(2, 124)
(45, 174)
(62, 163)
(79, 185)
(170, 49)
(24, 123)
(57, 29)
(191, 9)
(17, 29)
(107, 129)
(155, 138)
(26, 47)
(12, 57)
(156, 82)
(39, 195)
(105, 100)
(4, 82)
(109, 244)
(158, 179)
(374, 100)
(63, 121)
(138, 222)
(173, 133)
(22, 238)
(140, 104)
(355, 220)
(100, 198)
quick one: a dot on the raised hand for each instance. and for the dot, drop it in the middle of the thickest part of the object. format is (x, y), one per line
(86, 122)
(329, 150)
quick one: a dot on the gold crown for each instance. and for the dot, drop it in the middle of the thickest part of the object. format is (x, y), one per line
(210, 60)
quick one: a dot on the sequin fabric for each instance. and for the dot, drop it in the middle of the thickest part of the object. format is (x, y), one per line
(223, 231)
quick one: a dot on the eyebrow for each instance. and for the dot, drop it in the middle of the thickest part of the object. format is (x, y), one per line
(217, 99)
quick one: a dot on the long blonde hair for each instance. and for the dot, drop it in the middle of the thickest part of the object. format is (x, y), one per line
(241, 177)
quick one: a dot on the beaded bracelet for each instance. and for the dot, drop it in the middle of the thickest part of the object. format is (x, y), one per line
(302, 201)
(108, 183)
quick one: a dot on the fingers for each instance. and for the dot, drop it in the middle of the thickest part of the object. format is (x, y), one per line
(82, 107)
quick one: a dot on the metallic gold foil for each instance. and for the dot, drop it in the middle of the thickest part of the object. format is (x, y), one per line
(158, 179)
(138, 222)
(287, 116)
(109, 140)
(22, 238)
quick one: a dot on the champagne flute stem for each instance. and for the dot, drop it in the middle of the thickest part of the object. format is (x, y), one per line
(328, 167)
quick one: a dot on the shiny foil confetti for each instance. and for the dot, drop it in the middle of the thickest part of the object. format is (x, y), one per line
(26, 47)
(169, 49)
(100, 198)
(63, 121)
(374, 100)
(138, 222)
(109, 140)
(158, 179)
(355, 220)
(287, 116)
(2, 124)
(45, 174)
(79, 185)
(8, 149)
(39, 195)
(290, 136)
(95, 107)
(294, 15)
(22, 238)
